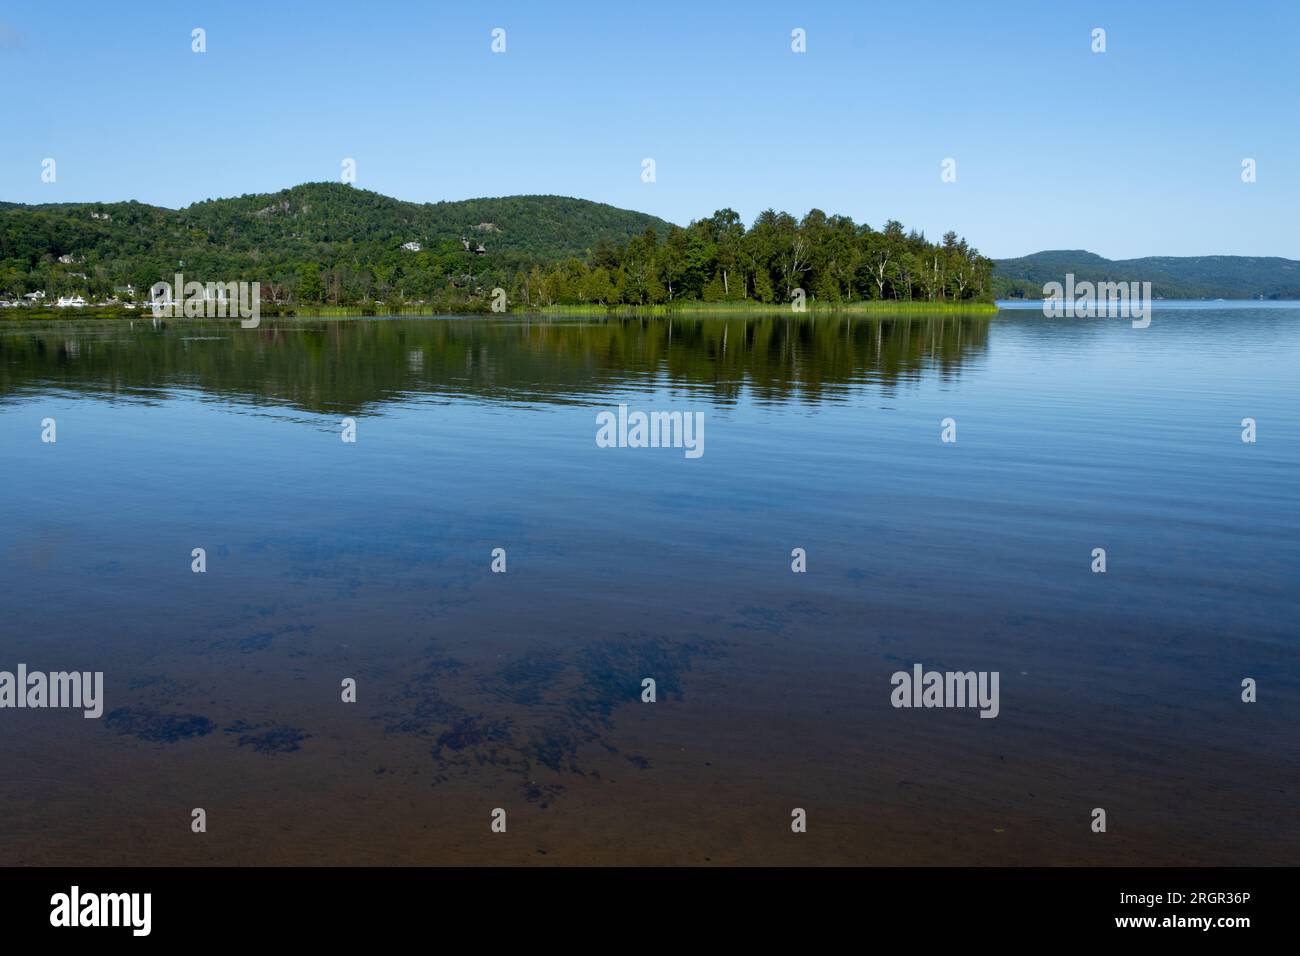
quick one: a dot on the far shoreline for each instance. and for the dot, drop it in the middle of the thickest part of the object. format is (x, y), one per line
(874, 307)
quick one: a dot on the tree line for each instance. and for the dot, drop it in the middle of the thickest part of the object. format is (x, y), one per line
(825, 258)
(330, 245)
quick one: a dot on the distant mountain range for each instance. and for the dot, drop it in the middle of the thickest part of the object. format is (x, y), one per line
(1171, 277)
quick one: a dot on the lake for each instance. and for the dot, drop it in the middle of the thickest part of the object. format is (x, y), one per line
(372, 560)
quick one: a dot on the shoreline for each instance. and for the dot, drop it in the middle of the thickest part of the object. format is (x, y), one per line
(875, 307)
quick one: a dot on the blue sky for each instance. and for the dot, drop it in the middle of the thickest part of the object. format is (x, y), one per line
(1133, 152)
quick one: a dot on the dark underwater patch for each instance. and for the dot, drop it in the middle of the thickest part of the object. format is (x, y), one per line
(268, 739)
(157, 727)
(537, 712)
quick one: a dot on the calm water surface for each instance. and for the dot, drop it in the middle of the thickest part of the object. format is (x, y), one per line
(477, 690)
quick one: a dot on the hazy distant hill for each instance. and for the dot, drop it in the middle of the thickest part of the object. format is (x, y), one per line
(1171, 277)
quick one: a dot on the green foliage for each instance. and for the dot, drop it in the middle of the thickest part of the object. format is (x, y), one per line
(328, 245)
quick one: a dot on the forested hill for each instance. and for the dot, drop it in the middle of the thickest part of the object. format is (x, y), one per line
(1171, 277)
(332, 244)
(312, 222)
